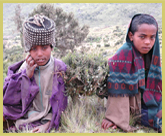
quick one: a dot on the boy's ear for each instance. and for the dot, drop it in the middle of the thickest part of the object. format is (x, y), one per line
(130, 35)
(51, 47)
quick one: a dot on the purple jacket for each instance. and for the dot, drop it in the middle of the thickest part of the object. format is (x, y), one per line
(19, 92)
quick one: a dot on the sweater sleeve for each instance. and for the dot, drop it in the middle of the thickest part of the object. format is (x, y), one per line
(18, 93)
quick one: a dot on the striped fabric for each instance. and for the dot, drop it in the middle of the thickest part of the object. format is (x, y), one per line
(127, 75)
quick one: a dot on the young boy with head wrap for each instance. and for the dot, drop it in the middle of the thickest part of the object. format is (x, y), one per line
(135, 81)
(33, 92)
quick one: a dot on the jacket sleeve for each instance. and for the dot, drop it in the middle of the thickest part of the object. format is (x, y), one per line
(18, 93)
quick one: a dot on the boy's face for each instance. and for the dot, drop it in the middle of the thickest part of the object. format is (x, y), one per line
(41, 54)
(144, 38)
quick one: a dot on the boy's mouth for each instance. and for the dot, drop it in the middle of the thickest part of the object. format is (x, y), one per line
(40, 60)
(146, 48)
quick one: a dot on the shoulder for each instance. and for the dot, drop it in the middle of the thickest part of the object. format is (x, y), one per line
(23, 66)
(60, 65)
(125, 52)
(125, 47)
(15, 67)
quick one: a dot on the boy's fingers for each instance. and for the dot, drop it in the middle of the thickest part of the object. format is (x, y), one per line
(28, 60)
(27, 57)
(159, 114)
(31, 63)
(38, 129)
(34, 66)
(114, 127)
(35, 129)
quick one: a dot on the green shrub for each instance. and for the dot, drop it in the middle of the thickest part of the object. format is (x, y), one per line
(10, 56)
(98, 45)
(106, 45)
(86, 74)
(106, 39)
(101, 50)
(93, 39)
(119, 42)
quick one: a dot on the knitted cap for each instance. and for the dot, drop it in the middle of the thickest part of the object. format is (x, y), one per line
(38, 30)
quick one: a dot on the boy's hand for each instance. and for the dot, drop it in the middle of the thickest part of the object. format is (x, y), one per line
(31, 65)
(42, 128)
(159, 114)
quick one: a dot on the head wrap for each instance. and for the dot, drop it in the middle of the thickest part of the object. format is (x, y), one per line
(38, 30)
(127, 75)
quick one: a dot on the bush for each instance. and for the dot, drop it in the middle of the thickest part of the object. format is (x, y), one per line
(98, 45)
(86, 74)
(101, 50)
(93, 39)
(120, 41)
(106, 39)
(106, 45)
(10, 56)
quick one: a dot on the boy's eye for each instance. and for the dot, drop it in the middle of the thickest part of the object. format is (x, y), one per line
(33, 48)
(44, 47)
(142, 37)
(152, 37)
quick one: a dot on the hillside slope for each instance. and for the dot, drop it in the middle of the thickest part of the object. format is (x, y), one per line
(92, 14)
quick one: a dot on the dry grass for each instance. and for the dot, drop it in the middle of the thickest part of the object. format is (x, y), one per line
(86, 116)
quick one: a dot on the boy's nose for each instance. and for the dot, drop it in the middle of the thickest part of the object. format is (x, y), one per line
(147, 41)
(39, 52)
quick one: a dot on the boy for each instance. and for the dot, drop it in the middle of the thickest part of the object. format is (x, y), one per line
(135, 82)
(33, 92)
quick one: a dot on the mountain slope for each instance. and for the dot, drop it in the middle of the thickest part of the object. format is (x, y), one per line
(92, 14)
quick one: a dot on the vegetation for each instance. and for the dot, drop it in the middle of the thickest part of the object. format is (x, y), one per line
(86, 117)
(10, 56)
(18, 20)
(86, 74)
(87, 64)
(68, 32)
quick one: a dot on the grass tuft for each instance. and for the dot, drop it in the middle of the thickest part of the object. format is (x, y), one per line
(85, 116)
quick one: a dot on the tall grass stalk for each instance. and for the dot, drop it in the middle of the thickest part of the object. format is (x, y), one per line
(85, 116)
